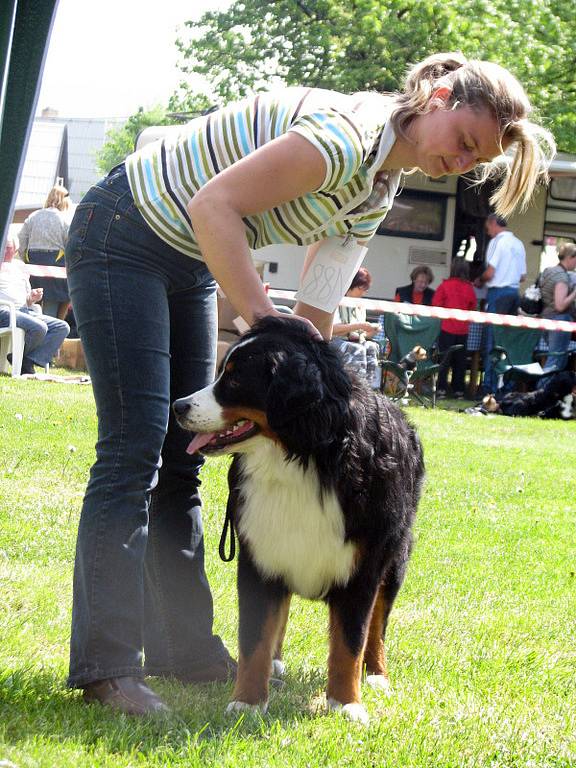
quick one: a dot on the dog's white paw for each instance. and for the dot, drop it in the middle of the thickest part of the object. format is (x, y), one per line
(278, 668)
(242, 706)
(379, 683)
(354, 712)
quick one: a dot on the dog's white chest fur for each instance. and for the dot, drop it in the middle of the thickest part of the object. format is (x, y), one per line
(292, 534)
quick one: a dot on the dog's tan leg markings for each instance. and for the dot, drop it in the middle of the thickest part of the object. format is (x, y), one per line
(344, 668)
(344, 673)
(254, 670)
(375, 653)
(278, 666)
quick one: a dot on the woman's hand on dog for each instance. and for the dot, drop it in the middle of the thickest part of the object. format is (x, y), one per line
(312, 330)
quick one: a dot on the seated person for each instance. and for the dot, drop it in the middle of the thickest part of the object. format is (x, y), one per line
(417, 292)
(351, 333)
(43, 334)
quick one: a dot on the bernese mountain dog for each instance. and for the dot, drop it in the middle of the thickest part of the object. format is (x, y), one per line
(555, 400)
(323, 490)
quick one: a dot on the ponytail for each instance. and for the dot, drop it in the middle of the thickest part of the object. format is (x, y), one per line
(534, 151)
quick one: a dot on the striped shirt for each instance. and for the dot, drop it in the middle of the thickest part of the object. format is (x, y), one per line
(353, 134)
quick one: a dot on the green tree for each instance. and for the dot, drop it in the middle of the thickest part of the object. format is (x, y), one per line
(120, 141)
(366, 44)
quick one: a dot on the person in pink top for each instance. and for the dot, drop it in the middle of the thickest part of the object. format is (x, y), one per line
(456, 292)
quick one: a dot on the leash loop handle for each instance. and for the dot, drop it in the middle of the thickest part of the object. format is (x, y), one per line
(228, 525)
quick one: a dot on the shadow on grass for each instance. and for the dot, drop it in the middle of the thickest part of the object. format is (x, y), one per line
(35, 704)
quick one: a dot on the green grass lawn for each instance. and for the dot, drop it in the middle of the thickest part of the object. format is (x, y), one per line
(482, 641)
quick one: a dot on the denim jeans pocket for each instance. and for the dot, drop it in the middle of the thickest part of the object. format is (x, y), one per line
(78, 230)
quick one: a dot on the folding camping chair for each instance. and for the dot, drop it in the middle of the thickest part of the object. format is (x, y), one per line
(405, 332)
(513, 355)
(11, 340)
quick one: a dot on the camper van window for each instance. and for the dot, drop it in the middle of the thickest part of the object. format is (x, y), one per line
(421, 215)
(563, 189)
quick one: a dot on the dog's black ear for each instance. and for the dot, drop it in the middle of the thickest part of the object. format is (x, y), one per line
(296, 388)
(307, 402)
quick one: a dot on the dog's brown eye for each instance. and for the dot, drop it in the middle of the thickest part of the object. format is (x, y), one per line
(232, 382)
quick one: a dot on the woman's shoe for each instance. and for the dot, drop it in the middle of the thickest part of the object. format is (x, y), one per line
(125, 694)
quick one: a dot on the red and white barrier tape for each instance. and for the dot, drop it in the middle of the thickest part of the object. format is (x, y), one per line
(489, 318)
(399, 308)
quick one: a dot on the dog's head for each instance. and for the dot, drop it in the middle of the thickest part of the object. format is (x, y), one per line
(412, 358)
(490, 404)
(276, 383)
(419, 353)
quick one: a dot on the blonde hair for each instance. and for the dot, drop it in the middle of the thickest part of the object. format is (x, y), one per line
(483, 85)
(566, 251)
(58, 198)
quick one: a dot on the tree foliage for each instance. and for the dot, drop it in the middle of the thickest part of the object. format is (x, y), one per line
(120, 141)
(352, 45)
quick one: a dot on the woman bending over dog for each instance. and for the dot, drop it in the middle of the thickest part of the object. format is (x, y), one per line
(145, 249)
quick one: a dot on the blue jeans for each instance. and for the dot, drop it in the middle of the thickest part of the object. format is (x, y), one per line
(43, 334)
(361, 358)
(558, 343)
(50, 307)
(504, 301)
(146, 315)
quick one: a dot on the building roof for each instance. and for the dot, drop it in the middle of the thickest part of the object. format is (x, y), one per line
(86, 136)
(63, 147)
(42, 164)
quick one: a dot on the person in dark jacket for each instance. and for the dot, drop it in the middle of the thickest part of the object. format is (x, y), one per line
(417, 292)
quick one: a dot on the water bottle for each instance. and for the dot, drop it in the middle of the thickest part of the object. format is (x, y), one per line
(380, 337)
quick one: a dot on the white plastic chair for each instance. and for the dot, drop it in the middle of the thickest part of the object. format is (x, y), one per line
(11, 340)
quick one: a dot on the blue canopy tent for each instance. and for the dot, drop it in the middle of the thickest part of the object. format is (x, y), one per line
(25, 27)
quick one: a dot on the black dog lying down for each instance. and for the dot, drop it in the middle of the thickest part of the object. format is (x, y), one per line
(556, 400)
(323, 490)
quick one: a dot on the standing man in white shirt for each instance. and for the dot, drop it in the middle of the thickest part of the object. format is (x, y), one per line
(505, 270)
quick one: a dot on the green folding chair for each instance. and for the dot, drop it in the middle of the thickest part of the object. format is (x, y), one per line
(405, 332)
(513, 355)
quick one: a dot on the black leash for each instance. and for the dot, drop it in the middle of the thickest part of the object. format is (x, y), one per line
(228, 525)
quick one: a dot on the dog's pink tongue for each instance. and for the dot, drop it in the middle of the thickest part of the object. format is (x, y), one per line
(199, 441)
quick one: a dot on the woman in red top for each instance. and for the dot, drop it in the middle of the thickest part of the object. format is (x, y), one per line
(456, 292)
